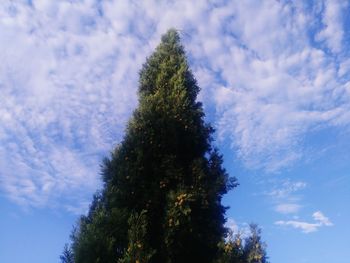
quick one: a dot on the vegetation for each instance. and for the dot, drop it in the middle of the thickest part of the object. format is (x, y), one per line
(248, 250)
(67, 255)
(163, 185)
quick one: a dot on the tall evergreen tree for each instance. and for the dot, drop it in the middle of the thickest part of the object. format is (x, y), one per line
(161, 198)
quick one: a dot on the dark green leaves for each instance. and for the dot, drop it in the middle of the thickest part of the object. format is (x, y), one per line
(161, 199)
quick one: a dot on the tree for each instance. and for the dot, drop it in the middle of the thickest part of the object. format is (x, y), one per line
(236, 249)
(255, 249)
(67, 255)
(163, 185)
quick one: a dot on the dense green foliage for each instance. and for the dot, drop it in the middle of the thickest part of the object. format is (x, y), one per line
(248, 250)
(161, 197)
(67, 255)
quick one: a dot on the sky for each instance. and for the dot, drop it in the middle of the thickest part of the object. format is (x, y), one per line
(275, 84)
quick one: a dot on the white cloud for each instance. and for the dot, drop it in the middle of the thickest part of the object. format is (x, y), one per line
(306, 227)
(68, 81)
(333, 31)
(232, 225)
(276, 84)
(288, 208)
(242, 229)
(64, 101)
(323, 220)
(285, 195)
(286, 188)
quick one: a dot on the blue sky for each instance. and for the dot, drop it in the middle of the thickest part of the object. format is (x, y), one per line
(275, 84)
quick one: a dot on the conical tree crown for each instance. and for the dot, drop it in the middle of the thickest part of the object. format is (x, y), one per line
(167, 69)
(163, 185)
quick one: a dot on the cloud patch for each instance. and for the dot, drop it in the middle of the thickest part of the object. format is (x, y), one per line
(286, 197)
(68, 82)
(306, 227)
(288, 208)
(332, 19)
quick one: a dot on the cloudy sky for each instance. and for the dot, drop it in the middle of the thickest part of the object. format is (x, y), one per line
(275, 84)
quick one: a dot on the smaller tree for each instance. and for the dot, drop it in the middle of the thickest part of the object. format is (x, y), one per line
(67, 255)
(231, 249)
(254, 248)
(251, 249)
